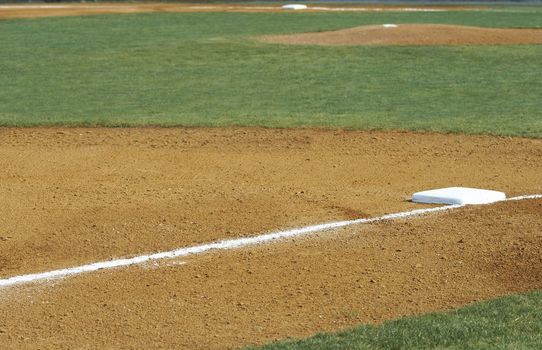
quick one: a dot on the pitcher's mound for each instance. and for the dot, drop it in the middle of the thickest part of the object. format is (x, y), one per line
(413, 34)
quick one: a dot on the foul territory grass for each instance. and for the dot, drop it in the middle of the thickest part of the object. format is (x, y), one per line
(198, 69)
(513, 322)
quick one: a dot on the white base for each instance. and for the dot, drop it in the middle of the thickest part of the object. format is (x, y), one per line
(458, 195)
(294, 7)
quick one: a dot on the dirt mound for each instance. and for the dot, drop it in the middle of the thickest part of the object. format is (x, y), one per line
(413, 34)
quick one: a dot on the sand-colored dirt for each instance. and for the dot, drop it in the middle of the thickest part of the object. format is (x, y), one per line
(293, 289)
(73, 196)
(53, 10)
(413, 34)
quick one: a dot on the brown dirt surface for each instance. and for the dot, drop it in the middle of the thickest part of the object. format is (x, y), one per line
(412, 34)
(74, 196)
(53, 10)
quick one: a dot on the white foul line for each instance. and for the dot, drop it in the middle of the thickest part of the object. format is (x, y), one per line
(224, 245)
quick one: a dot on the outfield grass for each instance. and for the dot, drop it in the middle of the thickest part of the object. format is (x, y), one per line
(205, 69)
(513, 322)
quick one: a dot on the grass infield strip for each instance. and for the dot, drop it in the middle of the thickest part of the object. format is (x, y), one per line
(513, 322)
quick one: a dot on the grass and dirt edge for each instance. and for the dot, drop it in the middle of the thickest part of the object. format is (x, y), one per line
(511, 322)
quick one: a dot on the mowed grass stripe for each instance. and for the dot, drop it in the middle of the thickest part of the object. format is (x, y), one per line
(513, 322)
(206, 69)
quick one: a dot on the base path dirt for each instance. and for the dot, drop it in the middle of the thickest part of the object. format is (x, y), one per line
(75, 196)
(412, 34)
(54, 10)
(293, 289)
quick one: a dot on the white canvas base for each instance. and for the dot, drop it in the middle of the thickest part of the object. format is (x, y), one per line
(458, 195)
(294, 7)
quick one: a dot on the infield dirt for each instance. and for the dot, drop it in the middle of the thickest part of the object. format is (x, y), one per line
(73, 196)
(54, 10)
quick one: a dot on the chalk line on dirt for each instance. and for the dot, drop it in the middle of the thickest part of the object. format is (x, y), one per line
(227, 244)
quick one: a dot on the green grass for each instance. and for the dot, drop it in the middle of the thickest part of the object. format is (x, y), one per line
(204, 69)
(513, 322)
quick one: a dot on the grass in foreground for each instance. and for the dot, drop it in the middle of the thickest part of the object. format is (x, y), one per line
(204, 69)
(513, 322)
